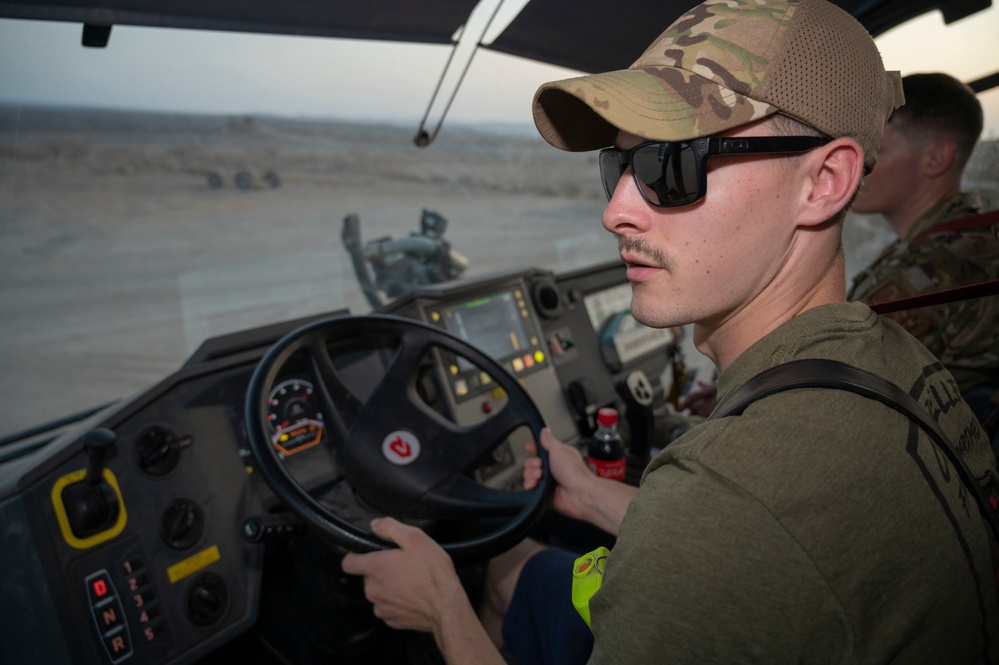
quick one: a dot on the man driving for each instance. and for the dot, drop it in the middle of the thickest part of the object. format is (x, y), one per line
(819, 525)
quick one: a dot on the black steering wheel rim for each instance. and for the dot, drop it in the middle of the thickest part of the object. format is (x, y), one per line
(415, 339)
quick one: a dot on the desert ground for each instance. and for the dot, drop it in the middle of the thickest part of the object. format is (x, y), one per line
(118, 259)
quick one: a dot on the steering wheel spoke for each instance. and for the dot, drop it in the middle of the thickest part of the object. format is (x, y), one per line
(341, 410)
(462, 497)
(485, 436)
(402, 368)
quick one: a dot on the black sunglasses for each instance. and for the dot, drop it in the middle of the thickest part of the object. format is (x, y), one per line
(674, 173)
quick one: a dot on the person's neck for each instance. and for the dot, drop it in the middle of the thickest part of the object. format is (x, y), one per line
(925, 197)
(796, 289)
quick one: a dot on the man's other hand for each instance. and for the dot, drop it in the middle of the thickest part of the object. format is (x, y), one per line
(409, 586)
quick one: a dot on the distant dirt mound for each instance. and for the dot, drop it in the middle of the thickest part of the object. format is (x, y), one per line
(122, 143)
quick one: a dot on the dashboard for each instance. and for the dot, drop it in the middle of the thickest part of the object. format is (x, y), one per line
(140, 535)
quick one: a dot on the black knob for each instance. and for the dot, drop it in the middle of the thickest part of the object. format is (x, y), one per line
(158, 450)
(546, 297)
(182, 524)
(637, 393)
(91, 504)
(100, 444)
(207, 600)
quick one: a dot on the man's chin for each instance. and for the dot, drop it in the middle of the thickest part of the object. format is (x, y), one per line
(652, 317)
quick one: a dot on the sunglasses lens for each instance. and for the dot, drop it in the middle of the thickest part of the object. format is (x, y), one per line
(667, 173)
(612, 167)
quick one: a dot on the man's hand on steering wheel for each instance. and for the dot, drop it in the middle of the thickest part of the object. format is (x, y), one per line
(415, 587)
(578, 493)
(409, 584)
(574, 482)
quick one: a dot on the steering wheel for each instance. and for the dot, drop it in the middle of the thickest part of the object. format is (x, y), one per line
(400, 457)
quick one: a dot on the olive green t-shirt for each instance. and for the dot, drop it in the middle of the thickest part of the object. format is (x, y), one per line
(818, 527)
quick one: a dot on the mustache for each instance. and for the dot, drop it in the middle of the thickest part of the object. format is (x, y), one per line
(640, 247)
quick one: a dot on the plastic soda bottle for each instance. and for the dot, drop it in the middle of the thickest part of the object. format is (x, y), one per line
(605, 452)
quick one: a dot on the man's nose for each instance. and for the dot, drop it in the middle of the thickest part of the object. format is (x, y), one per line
(627, 212)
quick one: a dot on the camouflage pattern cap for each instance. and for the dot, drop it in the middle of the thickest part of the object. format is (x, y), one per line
(726, 63)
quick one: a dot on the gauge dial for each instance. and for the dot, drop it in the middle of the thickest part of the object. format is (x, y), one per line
(295, 422)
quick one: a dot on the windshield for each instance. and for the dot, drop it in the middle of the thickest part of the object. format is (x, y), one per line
(131, 236)
(192, 184)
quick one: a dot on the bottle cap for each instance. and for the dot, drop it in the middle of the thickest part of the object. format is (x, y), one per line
(607, 416)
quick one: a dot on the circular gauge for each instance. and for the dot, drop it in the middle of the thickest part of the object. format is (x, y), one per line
(295, 422)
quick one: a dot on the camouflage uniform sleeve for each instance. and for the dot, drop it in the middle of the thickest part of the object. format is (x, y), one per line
(964, 334)
(908, 271)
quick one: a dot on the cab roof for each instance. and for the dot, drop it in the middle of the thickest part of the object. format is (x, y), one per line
(569, 33)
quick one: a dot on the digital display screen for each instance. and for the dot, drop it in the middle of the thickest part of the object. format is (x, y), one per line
(501, 326)
(493, 324)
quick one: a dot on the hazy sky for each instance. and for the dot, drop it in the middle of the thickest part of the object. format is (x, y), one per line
(142, 68)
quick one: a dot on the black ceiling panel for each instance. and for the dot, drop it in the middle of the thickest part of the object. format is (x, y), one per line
(609, 34)
(586, 35)
(430, 21)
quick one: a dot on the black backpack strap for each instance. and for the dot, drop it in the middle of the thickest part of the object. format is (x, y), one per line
(822, 373)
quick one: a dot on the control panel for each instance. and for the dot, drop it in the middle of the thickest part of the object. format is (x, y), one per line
(140, 534)
(570, 339)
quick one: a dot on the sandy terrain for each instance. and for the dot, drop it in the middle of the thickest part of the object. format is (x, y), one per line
(118, 260)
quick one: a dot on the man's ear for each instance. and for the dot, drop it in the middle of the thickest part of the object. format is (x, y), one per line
(938, 157)
(831, 176)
